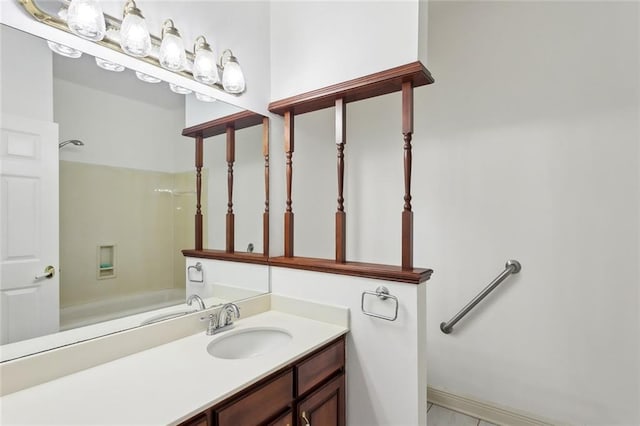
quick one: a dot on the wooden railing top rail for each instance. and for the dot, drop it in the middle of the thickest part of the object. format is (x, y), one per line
(380, 83)
(240, 120)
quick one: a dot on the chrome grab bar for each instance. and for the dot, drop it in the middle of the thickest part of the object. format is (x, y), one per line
(512, 267)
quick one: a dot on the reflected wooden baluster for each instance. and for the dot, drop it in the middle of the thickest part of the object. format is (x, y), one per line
(288, 215)
(231, 157)
(341, 216)
(199, 162)
(265, 215)
(407, 214)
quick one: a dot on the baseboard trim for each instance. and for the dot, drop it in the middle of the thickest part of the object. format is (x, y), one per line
(484, 410)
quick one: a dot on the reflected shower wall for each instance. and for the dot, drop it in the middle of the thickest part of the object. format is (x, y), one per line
(121, 232)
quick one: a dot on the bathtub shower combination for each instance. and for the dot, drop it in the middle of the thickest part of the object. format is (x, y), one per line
(118, 307)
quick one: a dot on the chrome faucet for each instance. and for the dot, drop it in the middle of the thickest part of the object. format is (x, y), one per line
(198, 299)
(223, 319)
(229, 310)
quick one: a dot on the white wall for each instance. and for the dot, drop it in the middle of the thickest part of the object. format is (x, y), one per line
(526, 147)
(386, 360)
(534, 156)
(120, 131)
(318, 43)
(25, 76)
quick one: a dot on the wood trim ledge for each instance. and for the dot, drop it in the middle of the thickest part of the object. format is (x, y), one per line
(357, 269)
(380, 83)
(243, 257)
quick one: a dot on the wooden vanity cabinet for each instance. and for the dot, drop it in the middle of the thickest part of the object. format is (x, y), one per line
(313, 386)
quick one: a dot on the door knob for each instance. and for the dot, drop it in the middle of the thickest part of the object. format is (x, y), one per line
(49, 272)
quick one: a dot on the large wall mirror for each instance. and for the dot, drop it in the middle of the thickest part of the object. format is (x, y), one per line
(127, 198)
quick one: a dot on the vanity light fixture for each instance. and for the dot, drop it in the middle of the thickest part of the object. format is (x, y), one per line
(179, 89)
(109, 66)
(131, 36)
(172, 55)
(63, 50)
(86, 19)
(205, 98)
(204, 63)
(147, 78)
(232, 75)
(135, 39)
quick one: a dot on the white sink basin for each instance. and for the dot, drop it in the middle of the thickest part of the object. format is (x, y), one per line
(248, 342)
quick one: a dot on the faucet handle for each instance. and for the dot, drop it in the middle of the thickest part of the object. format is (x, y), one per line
(213, 324)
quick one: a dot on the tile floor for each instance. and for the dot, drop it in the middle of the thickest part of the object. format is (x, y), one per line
(440, 416)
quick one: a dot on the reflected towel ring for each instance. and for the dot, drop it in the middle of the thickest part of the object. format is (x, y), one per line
(198, 268)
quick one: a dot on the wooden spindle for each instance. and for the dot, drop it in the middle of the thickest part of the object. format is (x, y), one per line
(265, 215)
(231, 157)
(288, 215)
(198, 217)
(407, 214)
(341, 216)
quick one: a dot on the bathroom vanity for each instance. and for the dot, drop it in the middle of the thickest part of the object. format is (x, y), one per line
(310, 389)
(185, 382)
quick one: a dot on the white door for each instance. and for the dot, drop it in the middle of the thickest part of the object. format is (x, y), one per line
(29, 306)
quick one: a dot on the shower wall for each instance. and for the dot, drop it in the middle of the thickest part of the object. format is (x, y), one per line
(131, 185)
(102, 205)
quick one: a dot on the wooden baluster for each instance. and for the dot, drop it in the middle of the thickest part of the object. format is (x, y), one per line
(231, 156)
(341, 216)
(288, 215)
(407, 214)
(265, 215)
(198, 217)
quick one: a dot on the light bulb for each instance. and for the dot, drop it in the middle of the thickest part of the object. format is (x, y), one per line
(205, 69)
(85, 18)
(134, 35)
(232, 76)
(63, 50)
(179, 89)
(147, 78)
(172, 55)
(109, 66)
(205, 98)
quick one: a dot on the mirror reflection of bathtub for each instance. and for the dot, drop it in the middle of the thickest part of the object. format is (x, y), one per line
(127, 197)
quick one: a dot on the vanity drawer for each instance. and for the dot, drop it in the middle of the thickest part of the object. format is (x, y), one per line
(314, 370)
(260, 405)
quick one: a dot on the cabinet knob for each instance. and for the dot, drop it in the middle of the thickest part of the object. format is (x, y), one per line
(304, 417)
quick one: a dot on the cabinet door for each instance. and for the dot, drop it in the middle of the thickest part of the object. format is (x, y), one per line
(324, 407)
(284, 420)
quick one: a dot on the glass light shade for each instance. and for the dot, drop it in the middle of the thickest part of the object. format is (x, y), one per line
(109, 66)
(205, 69)
(147, 78)
(205, 98)
(172, 55)
(134, 36)
(63, 50)
(85, 18)
(179, 89)
(232, 77)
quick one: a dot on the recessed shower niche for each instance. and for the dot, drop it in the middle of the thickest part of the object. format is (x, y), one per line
(106, 262)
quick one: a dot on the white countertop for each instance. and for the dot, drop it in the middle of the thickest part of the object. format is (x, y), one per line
(163, 385)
